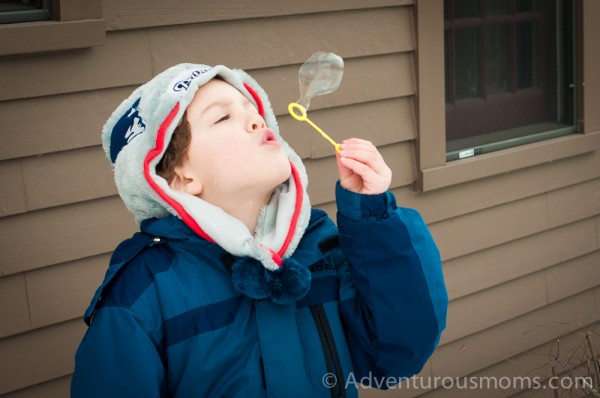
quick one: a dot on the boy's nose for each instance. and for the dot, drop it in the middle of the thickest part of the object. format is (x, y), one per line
(256, 122)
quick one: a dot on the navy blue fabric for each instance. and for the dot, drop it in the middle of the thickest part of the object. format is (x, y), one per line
(167, 320)
(200, 320)
(127, 127)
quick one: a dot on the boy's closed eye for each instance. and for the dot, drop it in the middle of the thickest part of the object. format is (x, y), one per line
(222, 118)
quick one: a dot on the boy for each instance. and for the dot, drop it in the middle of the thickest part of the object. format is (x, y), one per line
(236, 288)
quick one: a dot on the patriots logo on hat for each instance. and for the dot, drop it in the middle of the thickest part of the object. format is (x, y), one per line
(129, 126)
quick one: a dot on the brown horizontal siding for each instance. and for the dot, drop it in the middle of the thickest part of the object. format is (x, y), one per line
(516, 219)
(72, 121)
(46, 237)
(476, 195)
(56, 388)
(535, 363)
(143, 14)
(14, 308)
(123, 61)
(56, 123)
(520, 296)
(520, 249)
(49, 295)
(46, 287)
(520, 334)
(486, 268)
(39, 356)
(132, 57)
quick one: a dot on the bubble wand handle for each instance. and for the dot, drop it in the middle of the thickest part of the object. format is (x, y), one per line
(292, 107)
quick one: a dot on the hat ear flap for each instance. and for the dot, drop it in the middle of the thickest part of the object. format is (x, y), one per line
(259, 104)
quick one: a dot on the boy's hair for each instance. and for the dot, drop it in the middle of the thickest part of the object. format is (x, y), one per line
(177, 151)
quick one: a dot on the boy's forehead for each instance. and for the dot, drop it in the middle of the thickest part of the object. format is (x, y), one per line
(214, 92)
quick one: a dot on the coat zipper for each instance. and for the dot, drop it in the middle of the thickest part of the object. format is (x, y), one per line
(262, 373)
(332, 358)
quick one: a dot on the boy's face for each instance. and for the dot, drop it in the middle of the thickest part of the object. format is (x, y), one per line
(232, 152)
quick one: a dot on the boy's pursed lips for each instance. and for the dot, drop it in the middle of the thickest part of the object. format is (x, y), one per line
(269, 138)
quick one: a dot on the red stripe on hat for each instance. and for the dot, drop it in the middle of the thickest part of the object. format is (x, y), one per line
(297, 210)
(259, 104)
(159, 145)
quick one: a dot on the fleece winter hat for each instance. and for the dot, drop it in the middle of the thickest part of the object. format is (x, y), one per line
(135, 139)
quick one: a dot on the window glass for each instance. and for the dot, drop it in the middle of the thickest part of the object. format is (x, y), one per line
(527, 54)
(467, 9)
(497, 7)
(14, 11)
(467, 68)
(497, 58)
(510, 75)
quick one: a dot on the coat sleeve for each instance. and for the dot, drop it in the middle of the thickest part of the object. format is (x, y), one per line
(118, 357)
(393, 296)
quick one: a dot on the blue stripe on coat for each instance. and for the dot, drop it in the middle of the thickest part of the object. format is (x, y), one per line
(201, 320)
(321, 291)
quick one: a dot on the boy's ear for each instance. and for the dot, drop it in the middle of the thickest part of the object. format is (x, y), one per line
(184, 181)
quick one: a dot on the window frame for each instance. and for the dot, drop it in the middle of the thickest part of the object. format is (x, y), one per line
(76, 24)
(434, 171)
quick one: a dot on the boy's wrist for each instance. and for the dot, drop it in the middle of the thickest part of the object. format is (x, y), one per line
(356, 206)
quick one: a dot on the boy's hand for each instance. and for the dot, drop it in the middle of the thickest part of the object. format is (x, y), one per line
(362, 168)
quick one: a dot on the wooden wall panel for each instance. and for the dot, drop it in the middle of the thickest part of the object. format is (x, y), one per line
(575, 202)
(67, 177)
(36, 126)
(12, 195)
(535, 363)
(57, 388)
(14, 308)
(519, 296)
(63, 122)
(484, 269)
(143, 14)
(573, 276)
(505, 302)
(484, 229)
(598, 230)
(237, 43)
(63, 292)
(488, 347)
(47, 237)
(38, 356)
(477, 195)
(124, 60)
(72, 10)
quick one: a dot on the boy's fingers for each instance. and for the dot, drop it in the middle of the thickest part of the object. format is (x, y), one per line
(371, 158)
(357, 167)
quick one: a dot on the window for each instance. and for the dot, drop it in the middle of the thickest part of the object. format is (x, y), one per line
(13, 11)
(509, 73)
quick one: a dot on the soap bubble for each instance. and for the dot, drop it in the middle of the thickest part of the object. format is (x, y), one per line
(321, 74)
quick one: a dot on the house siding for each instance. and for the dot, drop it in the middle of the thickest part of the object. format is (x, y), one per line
(521, 250)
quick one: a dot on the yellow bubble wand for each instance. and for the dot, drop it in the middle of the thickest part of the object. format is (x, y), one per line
(294, 107)
(320, 75)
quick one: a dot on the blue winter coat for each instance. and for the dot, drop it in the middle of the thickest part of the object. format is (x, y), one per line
(166, 321)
